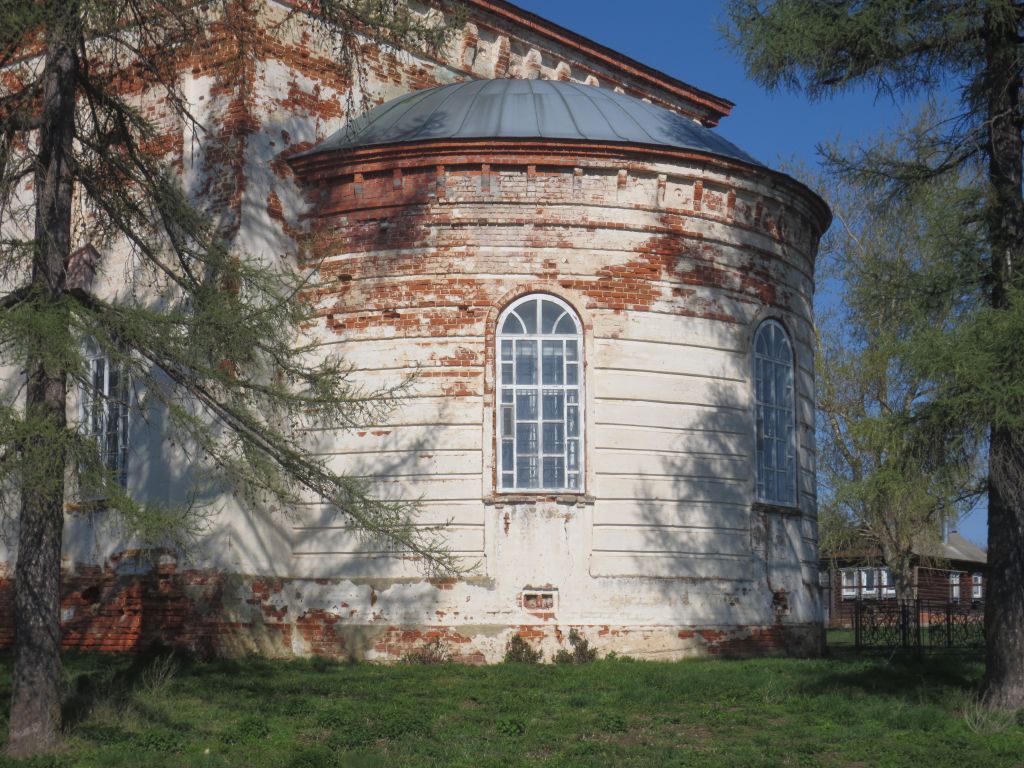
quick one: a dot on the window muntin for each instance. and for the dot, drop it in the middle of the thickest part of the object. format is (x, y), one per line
(540, 398)
(105, 412)
(774, 415)
(977, 586)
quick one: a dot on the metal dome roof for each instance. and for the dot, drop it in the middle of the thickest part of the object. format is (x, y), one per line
(526, 109)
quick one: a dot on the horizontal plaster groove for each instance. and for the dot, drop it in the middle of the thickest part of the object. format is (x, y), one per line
(673, 552)
(674, 430)
(673, 453)
(411, 451)
(450, 476)
(673, 344)
(655, 526)
(397, 554)
(674, 476)
(422, 501)
(677, 500)
(394, 425)
(449, 338)
(357, 531)
(720, 406)
(679, 374)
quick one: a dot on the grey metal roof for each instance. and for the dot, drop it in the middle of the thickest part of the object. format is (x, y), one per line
(526, 109)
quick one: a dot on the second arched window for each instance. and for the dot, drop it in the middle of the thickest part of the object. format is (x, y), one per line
(774, 405)
(540, 396)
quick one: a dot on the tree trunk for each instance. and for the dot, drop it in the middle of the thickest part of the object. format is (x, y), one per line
(1004, 606)
(36, 681)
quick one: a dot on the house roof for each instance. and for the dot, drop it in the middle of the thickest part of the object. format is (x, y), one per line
(526, 109)
(955, 548)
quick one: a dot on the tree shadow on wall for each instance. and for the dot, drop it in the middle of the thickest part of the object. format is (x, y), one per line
(715, 561)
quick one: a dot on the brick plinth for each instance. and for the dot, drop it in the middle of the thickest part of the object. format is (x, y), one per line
(211, 613)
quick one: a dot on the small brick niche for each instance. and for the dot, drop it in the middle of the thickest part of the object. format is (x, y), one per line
(545, 600)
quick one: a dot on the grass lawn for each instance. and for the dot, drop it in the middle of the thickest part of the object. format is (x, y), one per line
(841, 711)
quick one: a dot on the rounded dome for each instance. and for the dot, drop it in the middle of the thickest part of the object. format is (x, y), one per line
(527, 109)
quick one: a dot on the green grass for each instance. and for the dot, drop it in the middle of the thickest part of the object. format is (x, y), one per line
(844, 711)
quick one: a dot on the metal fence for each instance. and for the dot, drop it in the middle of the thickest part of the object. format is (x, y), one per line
(918, 624)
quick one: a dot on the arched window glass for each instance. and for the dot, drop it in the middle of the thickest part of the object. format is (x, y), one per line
(774, 415)
(540, 397)
(104, 398)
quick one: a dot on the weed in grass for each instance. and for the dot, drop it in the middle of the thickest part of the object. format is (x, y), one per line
(984, 720)
(434, 652)
(159, 675)
(250, 729)
(581, 652)
(511, 726)
(521, 652)
(318, 756)
(157, 740)
(611, 722)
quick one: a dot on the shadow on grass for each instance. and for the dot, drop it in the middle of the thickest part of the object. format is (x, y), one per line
(899, 673)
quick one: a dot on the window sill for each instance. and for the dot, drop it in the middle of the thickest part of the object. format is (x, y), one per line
(778, 509)
(542, 497)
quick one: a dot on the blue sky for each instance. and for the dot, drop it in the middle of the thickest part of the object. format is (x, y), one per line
(681, 38)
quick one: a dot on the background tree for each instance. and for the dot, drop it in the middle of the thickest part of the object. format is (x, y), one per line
(888, 482)
(211, 335)
(904, 49)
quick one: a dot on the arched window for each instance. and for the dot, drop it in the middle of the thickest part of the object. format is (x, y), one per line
(540, 396)
(774, 415)
(104, 398)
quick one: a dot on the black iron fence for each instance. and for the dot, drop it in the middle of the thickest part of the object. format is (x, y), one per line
(918, 624)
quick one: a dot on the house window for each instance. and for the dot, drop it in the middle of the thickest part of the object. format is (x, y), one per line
(886, 583)
(977, 586)
(105, 412)
(954, 587)
(540, 396)
(868, 583)
(774, 415)
(849, 582)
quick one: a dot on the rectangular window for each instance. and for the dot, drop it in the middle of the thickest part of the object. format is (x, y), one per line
(849, 583)
(868, 584)
(954, 587)
(977, 586)
(886, 581)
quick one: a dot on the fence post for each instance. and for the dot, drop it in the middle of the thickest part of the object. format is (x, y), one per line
(949, 625)
(856, 624)
(920, 636)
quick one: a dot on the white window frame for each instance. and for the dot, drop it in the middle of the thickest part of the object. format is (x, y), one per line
(977, 586)
(886, 583)
(774, 411)
(105, 411)
(867, 576)
(507, 395)
(849, 581)
(954, 587)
